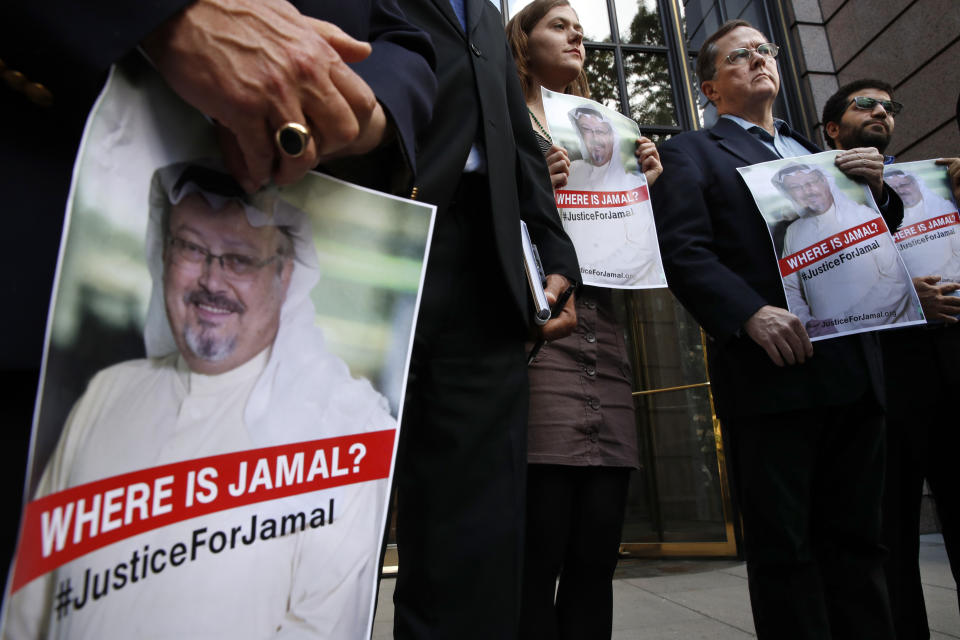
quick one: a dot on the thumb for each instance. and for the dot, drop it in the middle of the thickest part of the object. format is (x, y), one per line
(555, 285)
(551, 291)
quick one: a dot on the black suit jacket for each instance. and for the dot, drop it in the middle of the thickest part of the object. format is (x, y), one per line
(720, 265)
(67, 47)
(479, 98)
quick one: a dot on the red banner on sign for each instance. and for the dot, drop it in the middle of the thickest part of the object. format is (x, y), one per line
(916, 229)
(829, 246)
(599, 199)
(63, 526)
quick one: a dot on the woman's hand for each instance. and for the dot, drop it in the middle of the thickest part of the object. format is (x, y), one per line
(649, 159)
(558, 163)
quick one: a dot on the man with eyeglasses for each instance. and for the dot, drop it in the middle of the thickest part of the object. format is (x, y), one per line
(920, 369)
(234, 363)
(600, 166)
(596, 135)
(803, 426)
(610, 246)
(860, 114)
(873, 282)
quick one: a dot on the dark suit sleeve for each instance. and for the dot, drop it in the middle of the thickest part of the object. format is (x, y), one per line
(400, 72)
(891, 209)
(538, 208)
(719, 298)
(65, 45)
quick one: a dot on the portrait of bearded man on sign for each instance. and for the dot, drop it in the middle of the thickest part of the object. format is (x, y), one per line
(234, 363)
(872, 282)
(617, 251)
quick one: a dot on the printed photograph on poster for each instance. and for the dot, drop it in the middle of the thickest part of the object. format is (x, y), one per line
(929, 238)
(841, 272)
(605, 206)
(218, 411)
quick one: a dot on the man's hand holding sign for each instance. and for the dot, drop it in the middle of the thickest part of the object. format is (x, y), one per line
(254, 67)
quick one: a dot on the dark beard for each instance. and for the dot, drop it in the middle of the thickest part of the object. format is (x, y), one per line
(865, 138)
(213, 300)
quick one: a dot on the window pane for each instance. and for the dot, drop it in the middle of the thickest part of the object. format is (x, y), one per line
(682, 9)
(649, 90)
(750, 10)
(658, 138)
(639, 22)
(594, 18)
(706, 112)
(676, 496)
(592, 13)
(602, 74)
(515, 5)
(701, 18)
(683, 455)
(735, 8)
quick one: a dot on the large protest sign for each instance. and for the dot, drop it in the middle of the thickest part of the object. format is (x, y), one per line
(929, 237)
(841, 272)
(217, 420)
(605, 205)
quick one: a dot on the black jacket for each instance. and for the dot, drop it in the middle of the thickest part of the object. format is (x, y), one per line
(67, 47)
(479, 97)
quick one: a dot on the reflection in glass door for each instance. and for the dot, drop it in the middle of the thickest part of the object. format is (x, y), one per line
(679, 501)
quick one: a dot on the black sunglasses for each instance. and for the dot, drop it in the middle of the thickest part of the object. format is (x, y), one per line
(863, 102)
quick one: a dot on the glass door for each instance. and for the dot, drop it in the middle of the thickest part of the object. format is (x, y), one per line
(679, 502)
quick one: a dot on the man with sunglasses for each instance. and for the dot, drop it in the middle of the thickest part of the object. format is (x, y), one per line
(861, 114)
(803, 426)
(919, 363)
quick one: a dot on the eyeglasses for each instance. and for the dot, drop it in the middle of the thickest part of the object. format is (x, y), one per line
(235, 265)
(863, 102)
(740, 56)
(600, 132)
(810, 186)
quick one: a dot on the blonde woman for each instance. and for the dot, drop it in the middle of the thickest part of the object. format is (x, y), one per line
(582, 440)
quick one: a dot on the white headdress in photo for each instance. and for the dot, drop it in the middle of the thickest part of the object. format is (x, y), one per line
(303, 386)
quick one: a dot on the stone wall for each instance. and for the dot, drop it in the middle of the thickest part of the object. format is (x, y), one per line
(912, 44)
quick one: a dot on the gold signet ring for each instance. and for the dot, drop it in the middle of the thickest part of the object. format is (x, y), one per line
(292, 139)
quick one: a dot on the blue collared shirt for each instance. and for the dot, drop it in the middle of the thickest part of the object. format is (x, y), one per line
(785, 146)
(477, 160)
